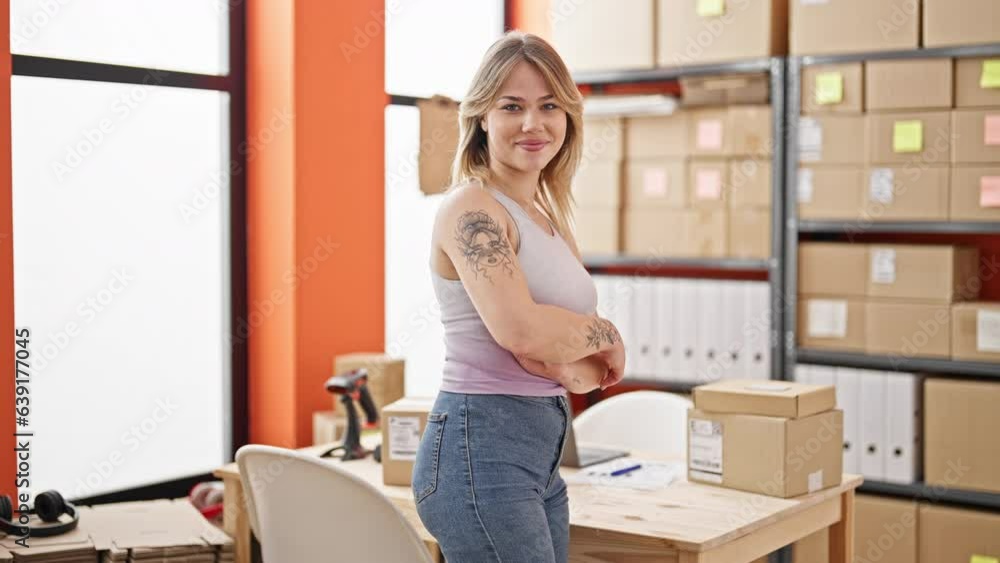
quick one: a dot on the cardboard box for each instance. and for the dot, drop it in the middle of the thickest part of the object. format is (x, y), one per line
(657, 136)
(692, 32)
(915, 138)
(853, 26)
(598, 183)
(386, 376)
(970, 22)
(960, 450)
(402, 428)
(786, 399)
(814, 548)
(708, 132)
(899, 193)
(724, 90)
(975, 193)
(749, 131)
(597, 229)
(605, 35)
(831, 139)
(656, 182)
(911, 330)
(977, 136)
(885, 529)
(832, 323)
(975, 332)
(329, 427)
(915, 84)
(707, 181)
(833, 268)
(766, 454)
(977, 82)
(438, 142)
(955, 534)
(836, 88)
(677, 233)
(830, 192)
(749, 182)
(750, 233)
(603, 139)
(923, 272)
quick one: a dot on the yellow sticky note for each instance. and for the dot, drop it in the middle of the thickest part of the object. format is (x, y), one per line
(711, 8)
(908, 136)
(829, 88)
(991, 74)
(983, 559)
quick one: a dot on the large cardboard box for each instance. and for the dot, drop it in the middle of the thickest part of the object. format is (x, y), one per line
(832, 139)
(786, 399)
(678, 233)
(899, 193)
(386, 376)
(975, 193)
(597, 229)
(656, 182)
(830, 192)
(708, 132)
(975, 332)
(814, 548)
(603, 138)
(833, 268)
(955, 534)
(707, 182)
(749, 182)
(948, 23)
(885, 529)
(750, 131)
(977, 136)
(915, 84)
(835, 88)
(853, 26)
(960, 451)
(750, 233)
(782, 457)
(725, 89)
(977, 82)
(832, 323)
(597, 183)
(605, 35)
(914, 138)
(403, 426)
(698, 32)
(923, 272)
(910, 330)
(657, 136)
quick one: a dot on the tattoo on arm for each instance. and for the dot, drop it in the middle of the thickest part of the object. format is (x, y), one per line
(484, 245)
(601, 330)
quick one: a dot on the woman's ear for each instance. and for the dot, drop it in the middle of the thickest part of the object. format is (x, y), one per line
(482, 125)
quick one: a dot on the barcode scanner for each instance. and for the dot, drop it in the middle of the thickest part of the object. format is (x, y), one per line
(353, 386)
(49, 506)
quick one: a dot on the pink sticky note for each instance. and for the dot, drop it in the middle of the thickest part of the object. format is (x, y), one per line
(710, 134)
(655, 182)
(991, 129)
(708, 184)
(989, 191)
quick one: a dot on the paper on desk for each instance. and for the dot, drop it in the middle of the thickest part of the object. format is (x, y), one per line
(652, 474)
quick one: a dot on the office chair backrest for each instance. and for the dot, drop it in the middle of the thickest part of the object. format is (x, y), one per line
(307, 510)
(651, 421)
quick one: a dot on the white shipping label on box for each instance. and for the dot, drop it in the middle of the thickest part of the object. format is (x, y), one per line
(880, 185)
(654, 182)
(827, 318)
(883, 265)
(709, 134)
(404, 437)
(810, 140)
(988, 331)
(815, 481)
(705, 446)
(805, 185)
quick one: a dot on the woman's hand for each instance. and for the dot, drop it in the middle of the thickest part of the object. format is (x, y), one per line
(581, 376)
(614, 358)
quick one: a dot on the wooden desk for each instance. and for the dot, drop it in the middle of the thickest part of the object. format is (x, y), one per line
(683, 523)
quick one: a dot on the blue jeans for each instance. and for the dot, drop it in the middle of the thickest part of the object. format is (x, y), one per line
(486, 479)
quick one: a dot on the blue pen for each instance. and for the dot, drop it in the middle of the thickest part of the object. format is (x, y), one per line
(625, 470)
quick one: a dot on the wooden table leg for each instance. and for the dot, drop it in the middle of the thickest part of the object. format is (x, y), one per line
(842, 533)
(235, 520)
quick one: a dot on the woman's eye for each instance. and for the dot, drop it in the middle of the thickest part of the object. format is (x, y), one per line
(511, 107)
(550, 106)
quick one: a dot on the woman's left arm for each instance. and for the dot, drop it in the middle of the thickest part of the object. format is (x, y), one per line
(581, 376)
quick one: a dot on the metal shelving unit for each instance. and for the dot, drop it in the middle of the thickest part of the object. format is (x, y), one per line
(893, 363)
(938, 227)
(934, 493)
(598, 262)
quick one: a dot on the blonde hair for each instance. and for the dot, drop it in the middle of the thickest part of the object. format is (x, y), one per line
(472, 158)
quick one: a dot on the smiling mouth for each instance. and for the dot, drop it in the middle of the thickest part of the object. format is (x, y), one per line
(533, 145)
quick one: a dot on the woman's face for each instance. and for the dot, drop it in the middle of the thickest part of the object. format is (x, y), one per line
(525, 126)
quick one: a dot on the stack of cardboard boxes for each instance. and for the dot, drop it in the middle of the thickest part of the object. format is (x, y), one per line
(597, 186)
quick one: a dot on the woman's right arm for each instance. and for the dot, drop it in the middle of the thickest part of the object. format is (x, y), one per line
(473, 229)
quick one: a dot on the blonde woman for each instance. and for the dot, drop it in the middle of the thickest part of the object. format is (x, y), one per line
(518, 309)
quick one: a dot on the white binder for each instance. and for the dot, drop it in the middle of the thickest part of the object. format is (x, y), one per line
(686, 329)
(667, 359)
(903, 415)
(710, 318)
(758, 330)
(849, 401)
(734, 314)
(873, 426)
(644, 312)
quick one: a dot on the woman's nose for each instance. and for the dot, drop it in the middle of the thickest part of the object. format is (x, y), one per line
(532, 121)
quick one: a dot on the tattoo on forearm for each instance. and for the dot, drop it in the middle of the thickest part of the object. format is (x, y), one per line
(600, 331)
(483, 244)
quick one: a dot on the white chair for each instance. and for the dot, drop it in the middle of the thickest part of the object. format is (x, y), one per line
(651, 421)
(304, 509)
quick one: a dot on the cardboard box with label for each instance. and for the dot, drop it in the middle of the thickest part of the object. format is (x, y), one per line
(914, 138)
(977, 82)
(961, 452)
(750, 233)
(787, 399)
(947, 23)
(831, 139)
(835, 88)
(656, 182)
(749, 182)
(975, 332)
(826, 27)
(923, 272)
(975, 193)
(724, 89)
(915, 84)
(597, 229)
(708, 132)
(909, 330)
(900, 193)
(830, 192)
(657, 136)
(386, 376)
(707, 31)
(605, 35)
(832, 323)
(750, 131)
(833, 268)
(956, 534)
(707, 180)
(403, 424)
(977, 136)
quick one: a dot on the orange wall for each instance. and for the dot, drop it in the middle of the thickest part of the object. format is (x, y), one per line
(531, 16)
(7, 468)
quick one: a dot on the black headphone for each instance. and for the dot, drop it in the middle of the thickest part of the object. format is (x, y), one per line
(49, 506)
